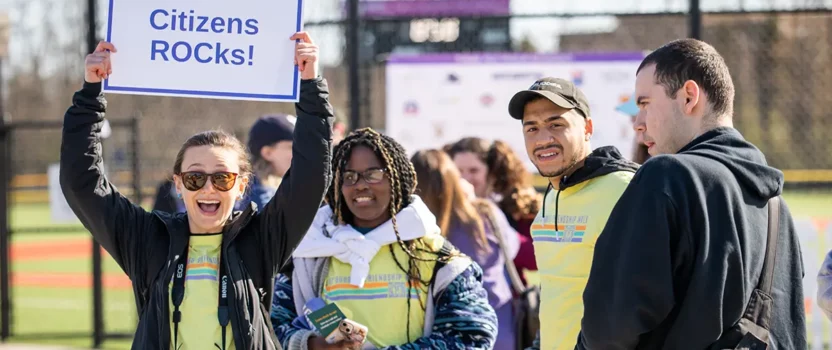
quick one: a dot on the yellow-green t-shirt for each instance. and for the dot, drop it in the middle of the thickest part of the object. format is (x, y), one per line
(200, 328)
(381, 304)
(564, 253)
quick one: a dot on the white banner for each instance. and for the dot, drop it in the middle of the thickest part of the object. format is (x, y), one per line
(436, 99)
(205, 48)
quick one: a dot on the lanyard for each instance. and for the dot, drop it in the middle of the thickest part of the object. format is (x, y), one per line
(178, 294)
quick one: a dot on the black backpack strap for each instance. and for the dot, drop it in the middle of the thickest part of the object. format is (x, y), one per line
(444, 252)
(767, 275)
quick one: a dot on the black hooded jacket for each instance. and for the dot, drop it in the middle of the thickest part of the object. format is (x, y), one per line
(147, 245)
(684, 247)
(602, 161)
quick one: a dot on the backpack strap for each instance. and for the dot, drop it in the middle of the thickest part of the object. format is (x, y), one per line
(767, 275)
(446, 251)
(514, 276)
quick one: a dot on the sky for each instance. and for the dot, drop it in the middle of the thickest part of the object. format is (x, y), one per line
(27, 34)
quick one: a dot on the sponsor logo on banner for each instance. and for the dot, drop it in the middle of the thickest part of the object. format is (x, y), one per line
(411, 108)
(487, 100)
(577, 77)
(617, 76)
(517, 75)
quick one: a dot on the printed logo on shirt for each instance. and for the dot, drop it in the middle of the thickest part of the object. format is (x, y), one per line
(569, 229)
(381, 286)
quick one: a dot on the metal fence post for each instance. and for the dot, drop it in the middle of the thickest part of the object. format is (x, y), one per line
(5, 234)
(353, 49)
(695, 20)
(97, 297)
(134, 159)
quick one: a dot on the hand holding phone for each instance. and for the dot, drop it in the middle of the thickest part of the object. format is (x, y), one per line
(348, 330)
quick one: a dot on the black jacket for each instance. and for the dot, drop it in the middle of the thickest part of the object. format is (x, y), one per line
(146, 245)
(602, 161)
(683, 249)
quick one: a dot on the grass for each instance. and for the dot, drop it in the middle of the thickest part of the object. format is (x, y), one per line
(39, 311)
(63, 316)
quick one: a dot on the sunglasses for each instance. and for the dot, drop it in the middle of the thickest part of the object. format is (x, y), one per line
(370, 176)
(195, 180)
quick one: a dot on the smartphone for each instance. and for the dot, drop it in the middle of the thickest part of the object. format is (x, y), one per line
(348, 330)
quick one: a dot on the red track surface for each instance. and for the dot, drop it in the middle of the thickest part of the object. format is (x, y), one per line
(60, 250)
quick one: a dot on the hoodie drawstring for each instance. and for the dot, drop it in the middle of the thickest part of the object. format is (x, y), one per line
(557, 199)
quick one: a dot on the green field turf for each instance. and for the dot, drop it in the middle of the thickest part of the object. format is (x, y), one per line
(64, 310)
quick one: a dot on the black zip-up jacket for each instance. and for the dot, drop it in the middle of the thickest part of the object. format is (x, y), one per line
(683, 250)
(146, 245)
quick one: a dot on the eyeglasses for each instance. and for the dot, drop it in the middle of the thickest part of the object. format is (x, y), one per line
(195, 180)
(370, 176)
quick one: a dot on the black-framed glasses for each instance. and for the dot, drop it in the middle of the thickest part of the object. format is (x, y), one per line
(370, 176)
(195, 180)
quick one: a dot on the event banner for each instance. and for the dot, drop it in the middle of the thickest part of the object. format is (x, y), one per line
(430, 8)
(208, 48)
(435, 99)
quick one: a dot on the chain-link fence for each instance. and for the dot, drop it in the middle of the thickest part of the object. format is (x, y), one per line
(778, 53)
(779, 61)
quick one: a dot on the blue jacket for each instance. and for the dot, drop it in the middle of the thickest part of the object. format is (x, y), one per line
(825, 286)
(258, 193)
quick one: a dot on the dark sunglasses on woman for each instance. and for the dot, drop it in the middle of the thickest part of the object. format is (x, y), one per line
(195, 180)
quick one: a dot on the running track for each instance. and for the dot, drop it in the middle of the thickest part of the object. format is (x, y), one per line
(67, 249)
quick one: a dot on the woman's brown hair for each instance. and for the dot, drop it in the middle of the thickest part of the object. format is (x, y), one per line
(440, 187)
(507, 175)
(215, 138)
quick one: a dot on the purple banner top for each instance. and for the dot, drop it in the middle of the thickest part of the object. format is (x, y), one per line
(517, 57)
(431, 8)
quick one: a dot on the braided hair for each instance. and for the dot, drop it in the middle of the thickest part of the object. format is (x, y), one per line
(402, 179)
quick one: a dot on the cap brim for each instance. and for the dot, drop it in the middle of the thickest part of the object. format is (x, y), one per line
(520, 99)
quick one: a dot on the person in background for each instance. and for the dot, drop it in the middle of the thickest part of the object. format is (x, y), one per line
(680, 258)
(376, 252)
(498, 174)
(339, 128)
(270, 144)
(166, 198)
(630, 109)
(825, 286)
(202, 277)
(584, 185)
(466, 221)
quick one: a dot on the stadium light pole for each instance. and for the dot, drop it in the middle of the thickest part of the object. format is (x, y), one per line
(97, 288)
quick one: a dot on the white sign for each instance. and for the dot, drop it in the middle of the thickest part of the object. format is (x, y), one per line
(815, 236)
(205, 48)
(58, 207)
(439, 98)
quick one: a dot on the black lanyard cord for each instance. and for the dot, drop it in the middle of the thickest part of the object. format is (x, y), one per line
(178, 295)
(222, 309)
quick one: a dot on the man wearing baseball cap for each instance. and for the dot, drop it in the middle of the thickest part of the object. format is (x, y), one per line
(270, 143)
(584, 185)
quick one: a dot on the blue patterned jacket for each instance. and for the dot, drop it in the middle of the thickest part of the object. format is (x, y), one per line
(463, 318)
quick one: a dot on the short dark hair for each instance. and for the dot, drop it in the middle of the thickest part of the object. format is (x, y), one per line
(689, 59)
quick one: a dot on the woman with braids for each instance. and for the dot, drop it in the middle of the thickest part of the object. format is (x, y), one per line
(202, 279)
(376, 252)
(499, 175)
(469, 223)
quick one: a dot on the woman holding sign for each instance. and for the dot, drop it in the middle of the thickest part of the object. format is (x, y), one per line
(376, 252)
(202, 279)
